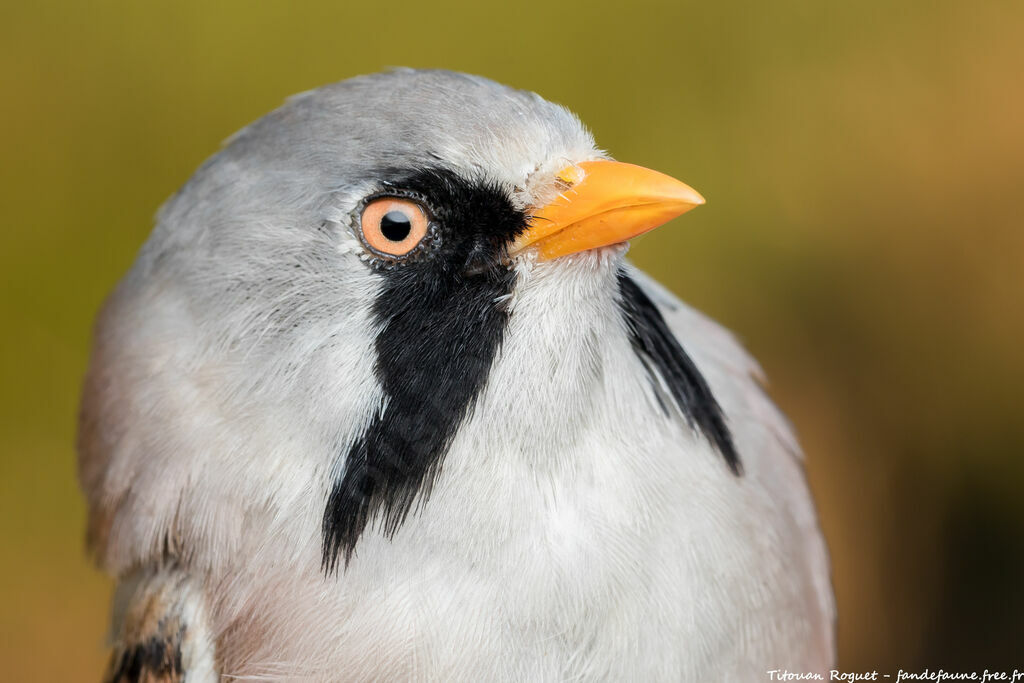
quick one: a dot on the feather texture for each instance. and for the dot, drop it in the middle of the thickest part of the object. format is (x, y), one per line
(575, 529)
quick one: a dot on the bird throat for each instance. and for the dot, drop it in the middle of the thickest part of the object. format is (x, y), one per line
(437, 343)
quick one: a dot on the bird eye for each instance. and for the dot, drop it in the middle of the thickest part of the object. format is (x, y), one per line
(392, 226)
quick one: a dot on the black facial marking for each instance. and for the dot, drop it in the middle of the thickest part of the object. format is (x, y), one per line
(443, 316)
(474, 221)
(660, 352)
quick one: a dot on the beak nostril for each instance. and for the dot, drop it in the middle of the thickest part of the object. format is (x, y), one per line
(570, 175)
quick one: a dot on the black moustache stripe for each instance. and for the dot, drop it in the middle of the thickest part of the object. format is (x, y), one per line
(434, 355)
(443, 316)
(661, 353)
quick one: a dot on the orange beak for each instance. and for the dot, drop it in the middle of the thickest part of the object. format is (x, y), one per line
(603, 203)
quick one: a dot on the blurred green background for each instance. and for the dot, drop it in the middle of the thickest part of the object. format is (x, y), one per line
(864, 169)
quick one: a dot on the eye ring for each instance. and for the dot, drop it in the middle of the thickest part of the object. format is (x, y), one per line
(392, 226)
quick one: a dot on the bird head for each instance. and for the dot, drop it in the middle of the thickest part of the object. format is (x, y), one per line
(357, 280)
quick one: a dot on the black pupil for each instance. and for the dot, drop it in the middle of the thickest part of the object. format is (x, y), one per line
(395, 225)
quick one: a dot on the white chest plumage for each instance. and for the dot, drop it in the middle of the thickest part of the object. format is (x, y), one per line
(621, 549)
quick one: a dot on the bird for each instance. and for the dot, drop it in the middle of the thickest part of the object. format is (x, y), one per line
(383, 399)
